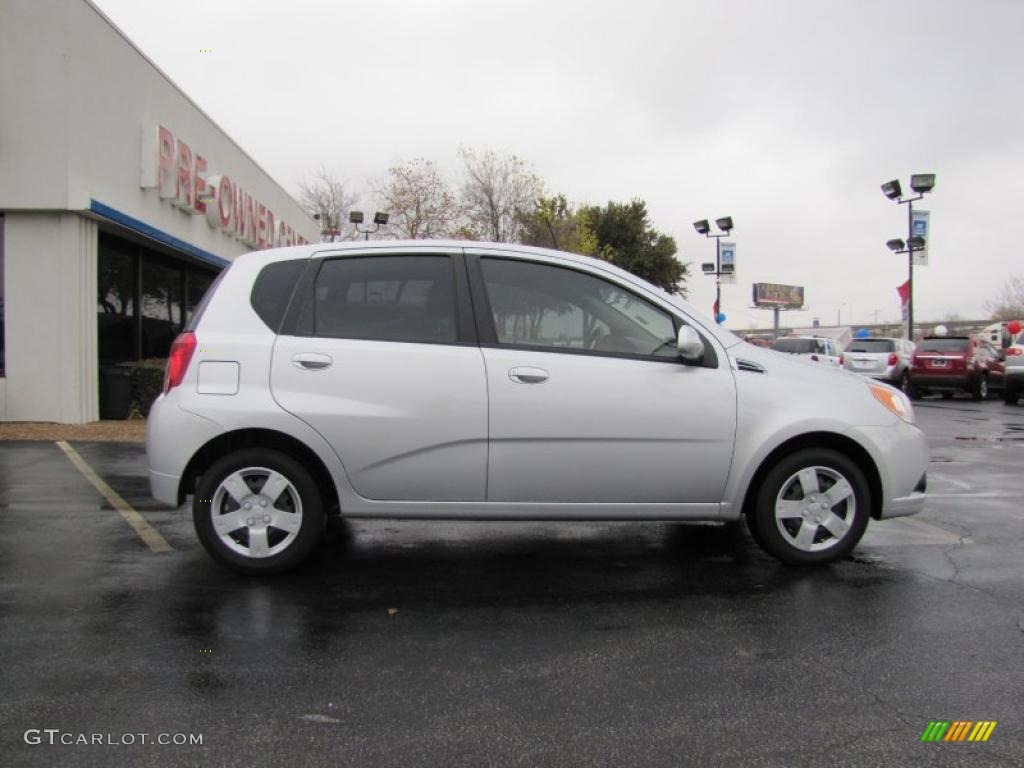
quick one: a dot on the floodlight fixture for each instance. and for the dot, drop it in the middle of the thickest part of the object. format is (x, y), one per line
(708, 267)
(702, 226)
(916, 243)
(355, 217)
(380, 218)
(895, 245)
(724, 223)
(892, 189)
(922, 183)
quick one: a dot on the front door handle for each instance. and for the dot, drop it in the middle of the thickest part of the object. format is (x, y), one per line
(311, 361)
(528, 375)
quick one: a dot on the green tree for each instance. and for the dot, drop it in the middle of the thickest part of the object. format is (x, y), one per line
(624, 236)
(554, 223)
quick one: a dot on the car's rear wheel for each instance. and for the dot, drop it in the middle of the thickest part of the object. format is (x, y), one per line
(980, 391)
(812, 507)
(1011, 396)
(907, 386)
(258, 511)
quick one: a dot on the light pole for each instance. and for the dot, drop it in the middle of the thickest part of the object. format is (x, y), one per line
(379, 218)
(922, 184)
(703, 228)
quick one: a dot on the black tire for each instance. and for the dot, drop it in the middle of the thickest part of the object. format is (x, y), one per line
(780, 480)
(947, 395)
(1011, 396)
(296, 545)
(980, 389)
(907, 386)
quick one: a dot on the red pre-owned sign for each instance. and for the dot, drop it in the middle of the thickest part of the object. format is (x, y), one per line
(179, 174)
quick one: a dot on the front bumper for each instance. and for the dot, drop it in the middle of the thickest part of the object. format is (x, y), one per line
(900, 453)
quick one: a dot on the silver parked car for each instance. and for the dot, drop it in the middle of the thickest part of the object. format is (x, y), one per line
(881, 358)
(498, 382)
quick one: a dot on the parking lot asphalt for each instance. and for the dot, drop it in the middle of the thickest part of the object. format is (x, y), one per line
(515, 644)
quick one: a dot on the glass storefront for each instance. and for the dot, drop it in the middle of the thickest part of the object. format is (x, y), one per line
(144, 299)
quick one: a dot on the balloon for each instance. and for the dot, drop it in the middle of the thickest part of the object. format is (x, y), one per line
(941, 330)
(863, 333)
(721, 318)
(1013, 327)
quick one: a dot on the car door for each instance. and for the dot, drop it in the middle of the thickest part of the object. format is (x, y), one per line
(589, 400)
(377, 355)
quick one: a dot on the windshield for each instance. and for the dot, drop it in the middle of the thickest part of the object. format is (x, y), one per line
(872, 345)
(795, 346)
(942, 345)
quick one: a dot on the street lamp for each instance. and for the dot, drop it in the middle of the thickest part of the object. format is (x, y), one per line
(704, 228)
(379, 219)
(921, 184)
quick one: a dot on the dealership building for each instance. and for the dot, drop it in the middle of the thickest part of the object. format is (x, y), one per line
(120, 201)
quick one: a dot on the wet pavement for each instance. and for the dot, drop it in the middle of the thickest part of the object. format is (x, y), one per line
(516, 644)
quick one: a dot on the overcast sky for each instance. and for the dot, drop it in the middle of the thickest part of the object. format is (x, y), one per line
(786, 115)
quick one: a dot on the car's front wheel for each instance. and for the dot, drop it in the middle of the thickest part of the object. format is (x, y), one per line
(258, 511)
(812, 507)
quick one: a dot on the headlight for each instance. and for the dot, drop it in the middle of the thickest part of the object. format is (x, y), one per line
(894, 401)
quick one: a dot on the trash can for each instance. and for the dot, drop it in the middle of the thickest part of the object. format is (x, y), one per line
(115, 391)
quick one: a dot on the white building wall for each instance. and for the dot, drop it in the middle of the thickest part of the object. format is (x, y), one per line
(50, 279)
(75, 99)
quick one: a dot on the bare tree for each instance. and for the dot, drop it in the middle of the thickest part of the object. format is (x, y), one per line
(419, 200)
(498, 191)
(1009, 305)
(326, 196)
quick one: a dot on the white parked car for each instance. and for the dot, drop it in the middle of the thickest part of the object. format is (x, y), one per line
(817, 349)
(497, 382)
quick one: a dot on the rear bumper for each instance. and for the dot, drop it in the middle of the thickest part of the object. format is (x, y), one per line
(1014, 378)
(164, 488)
(943, 381)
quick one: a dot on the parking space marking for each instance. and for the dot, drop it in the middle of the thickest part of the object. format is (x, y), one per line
(145, 531)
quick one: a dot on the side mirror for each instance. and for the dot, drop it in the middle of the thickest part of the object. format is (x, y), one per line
(689, 344)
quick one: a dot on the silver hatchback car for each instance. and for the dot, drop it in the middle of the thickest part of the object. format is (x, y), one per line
(498, 382)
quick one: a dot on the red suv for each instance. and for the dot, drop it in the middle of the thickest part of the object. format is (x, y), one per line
(951, 364)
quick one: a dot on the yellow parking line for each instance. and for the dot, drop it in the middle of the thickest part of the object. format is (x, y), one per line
(146, 532)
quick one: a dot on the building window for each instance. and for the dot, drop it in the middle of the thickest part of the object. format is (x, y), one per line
(144, 300)
(3, 324)
(116, 283)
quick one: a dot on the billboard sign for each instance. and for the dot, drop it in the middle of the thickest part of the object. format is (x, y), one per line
(775, 295)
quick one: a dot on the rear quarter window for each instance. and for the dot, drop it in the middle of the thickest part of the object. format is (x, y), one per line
(273, 290)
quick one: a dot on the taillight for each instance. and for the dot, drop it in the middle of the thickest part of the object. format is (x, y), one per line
(1014, 351)
(178, 360)
(842, 359)
(893, 358)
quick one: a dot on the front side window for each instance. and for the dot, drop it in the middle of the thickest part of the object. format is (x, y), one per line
(387, 298)
(538, 305)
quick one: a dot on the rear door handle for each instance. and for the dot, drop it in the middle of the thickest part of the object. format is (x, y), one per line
(528, 375)
(311, 361)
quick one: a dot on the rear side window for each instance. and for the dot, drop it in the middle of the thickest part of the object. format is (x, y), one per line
(796, 346)
(273, 289)
(943, 345)
(872, 345)
(386, 298)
